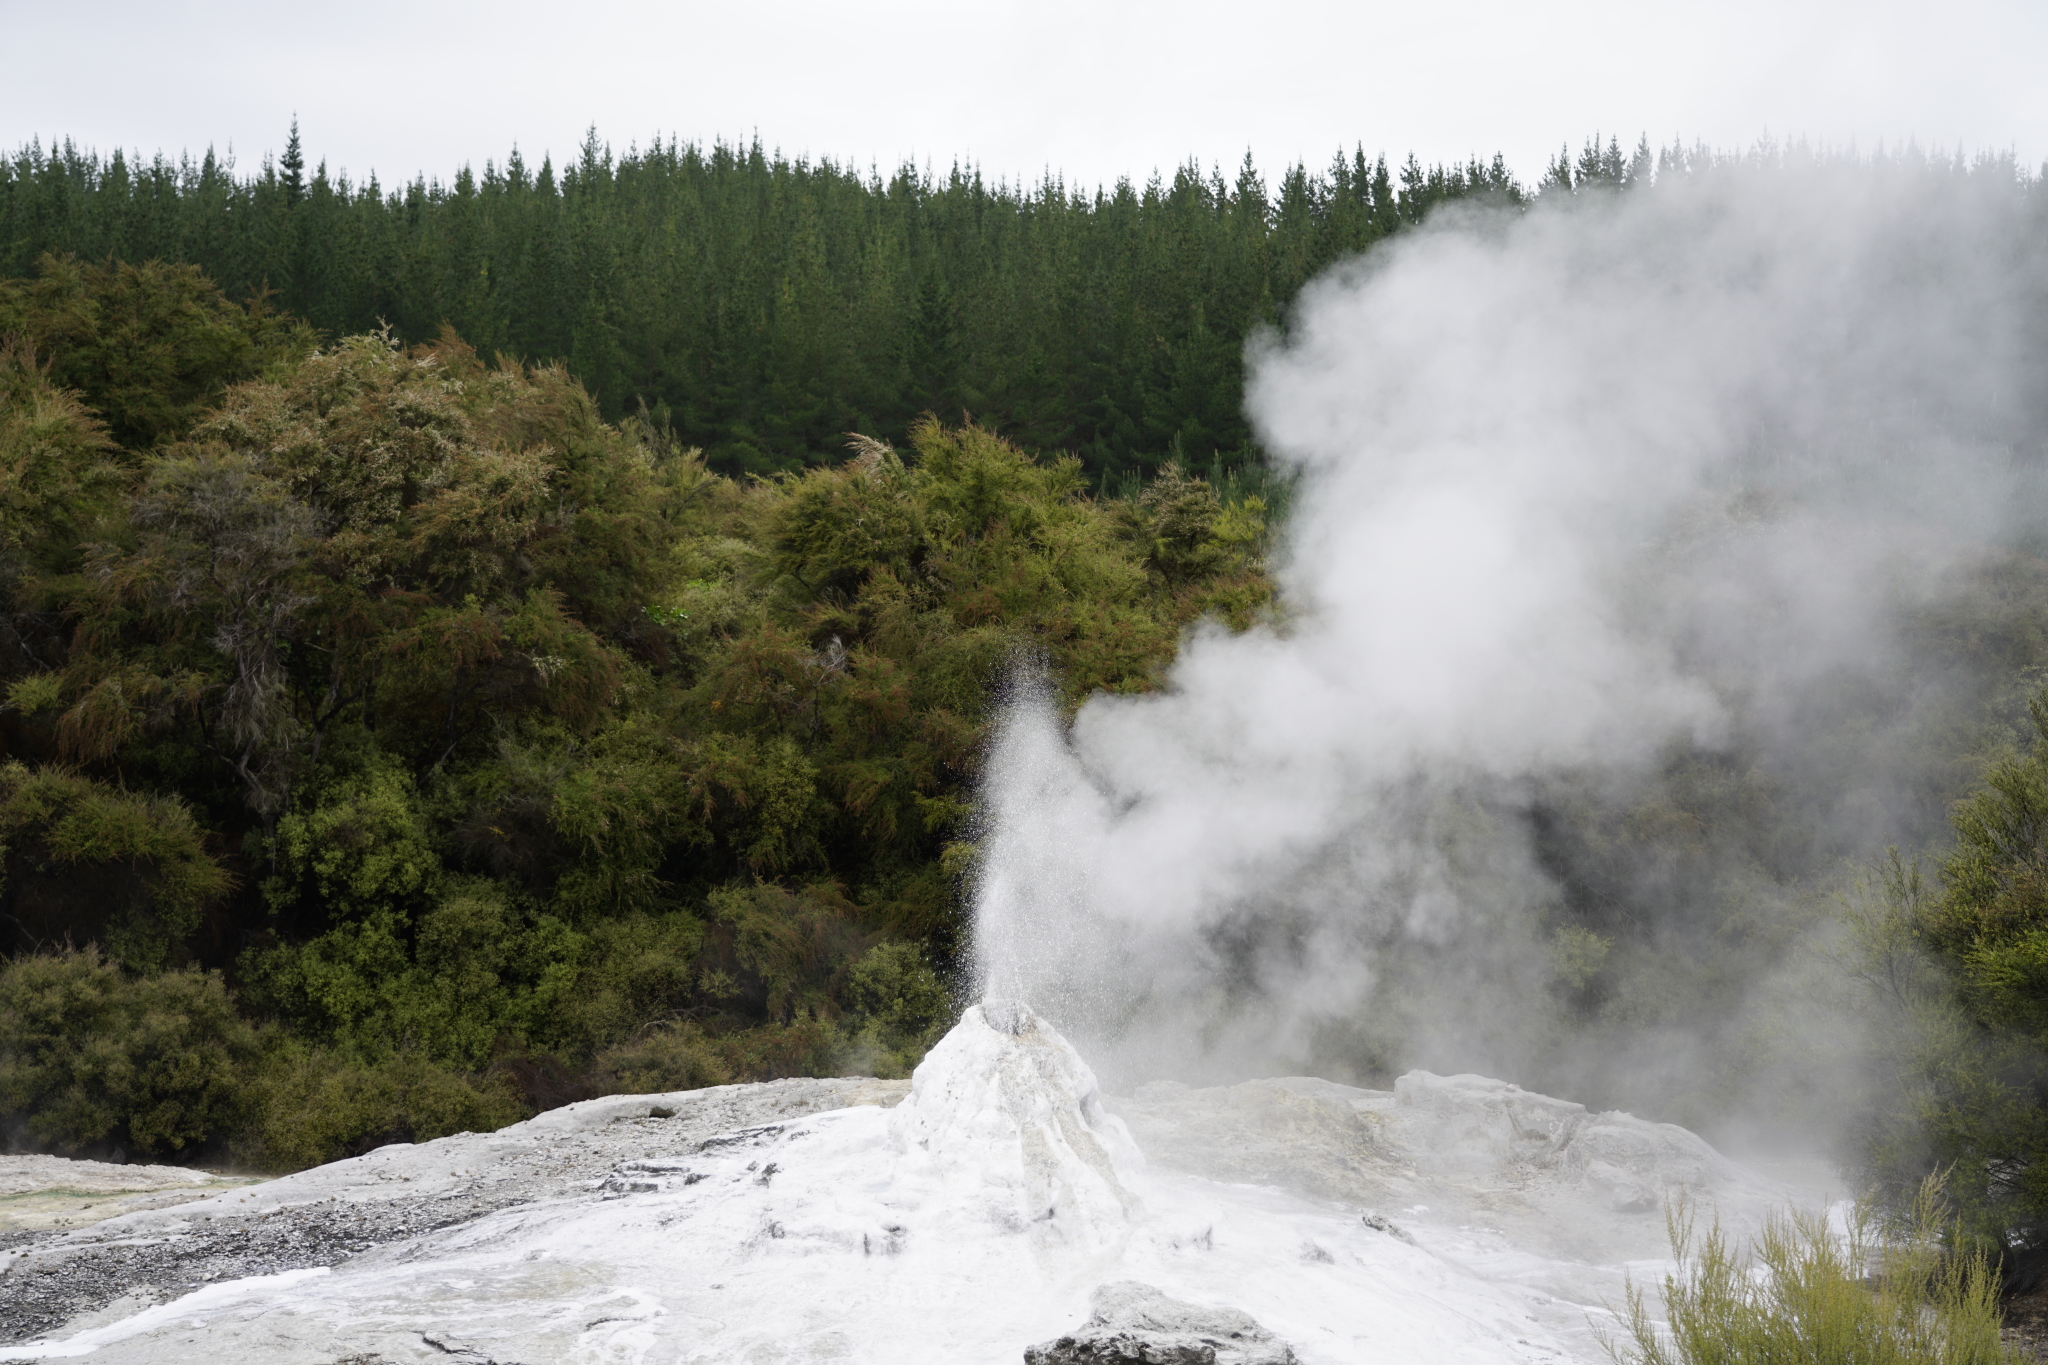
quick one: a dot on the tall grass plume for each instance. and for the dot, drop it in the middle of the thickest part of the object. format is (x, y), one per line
(1872, 1293)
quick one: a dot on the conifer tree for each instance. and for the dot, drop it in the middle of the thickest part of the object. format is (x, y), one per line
(292, 168)
(768, 304)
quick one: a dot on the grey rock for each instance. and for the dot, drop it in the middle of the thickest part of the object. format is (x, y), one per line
(1544, 1172)
(1135, 1324)
(1323, 1140)
(1379, 1222)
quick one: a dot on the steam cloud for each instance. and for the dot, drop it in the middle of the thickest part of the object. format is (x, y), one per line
(1581, 488)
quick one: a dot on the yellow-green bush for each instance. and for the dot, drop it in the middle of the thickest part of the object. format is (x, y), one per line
(150, 344)
(900, 1008)
(897, 1008)
(89, 861)
(59, 470)
(310, 1105)
(670, 1056)
(684, 1055)
(1806, 1295)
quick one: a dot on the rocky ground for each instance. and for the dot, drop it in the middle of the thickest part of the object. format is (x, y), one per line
(1463, 1213)
(60, 1278)
(1549, 1174)
(2026, 1325)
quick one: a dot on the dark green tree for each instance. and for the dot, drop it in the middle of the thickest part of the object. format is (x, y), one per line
(292, 168)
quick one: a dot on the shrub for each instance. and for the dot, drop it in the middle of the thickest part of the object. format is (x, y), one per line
(87, 862)
(675, 1056)
(314, 1104)
(639, 968)
(361, 845)
(1813, 1300)
(458, 982)
(901, 1008)
(684, 1055)
(57, 467)
(149, 345)
(801, 1047)
(780, 953)
(93, 1058)
(1960, 1009)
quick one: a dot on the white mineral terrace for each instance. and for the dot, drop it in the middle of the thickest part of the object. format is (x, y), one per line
(1452, 1219)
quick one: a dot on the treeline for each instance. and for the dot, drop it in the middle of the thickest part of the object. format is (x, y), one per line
(390, 745)
(759, 306)
(397, 735)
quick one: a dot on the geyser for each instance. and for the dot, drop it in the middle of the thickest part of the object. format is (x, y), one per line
(1007, 1116)
(1595, 500)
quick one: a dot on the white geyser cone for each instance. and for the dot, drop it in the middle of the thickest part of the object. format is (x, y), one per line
(1004, 1115)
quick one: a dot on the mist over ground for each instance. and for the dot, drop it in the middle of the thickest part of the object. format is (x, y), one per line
(1657, 559)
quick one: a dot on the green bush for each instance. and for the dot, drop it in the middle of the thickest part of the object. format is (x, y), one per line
(673, 1056)
(149, 345)
(900, 1008)
(637, 969)
(1958, 1022)
(58, 468)
(358, 845)
(685, 1055)
(93, 1058)
(90, 862)
(1806, 1295)
(311, 1105)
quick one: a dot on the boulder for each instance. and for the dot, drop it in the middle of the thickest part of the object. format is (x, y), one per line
(1135, 1324)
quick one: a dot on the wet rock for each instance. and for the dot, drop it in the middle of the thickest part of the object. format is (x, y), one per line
(1323, 1140)
(1135, 1324)
(42, 1194)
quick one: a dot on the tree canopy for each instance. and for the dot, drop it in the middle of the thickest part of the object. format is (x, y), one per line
(761, 305)
(466, 734)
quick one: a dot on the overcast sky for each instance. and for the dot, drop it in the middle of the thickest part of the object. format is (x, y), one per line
(1093, 89)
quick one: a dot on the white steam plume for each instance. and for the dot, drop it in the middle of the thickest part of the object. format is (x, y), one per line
(1576, 485)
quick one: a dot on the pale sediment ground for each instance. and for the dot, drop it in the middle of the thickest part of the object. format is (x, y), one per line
(1451, 1219)
(45, 1193)
(65, 1277)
